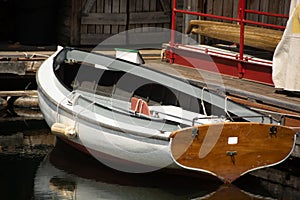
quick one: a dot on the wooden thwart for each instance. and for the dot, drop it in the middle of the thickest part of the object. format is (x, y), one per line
(231, 149)
(257, 37)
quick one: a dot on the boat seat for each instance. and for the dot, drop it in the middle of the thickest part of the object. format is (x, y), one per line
(140, 106)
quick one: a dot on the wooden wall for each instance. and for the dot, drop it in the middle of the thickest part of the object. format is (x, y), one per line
(92, 21)
(89, 22)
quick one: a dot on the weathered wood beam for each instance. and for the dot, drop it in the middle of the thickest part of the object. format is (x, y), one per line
(120, 19)
(165, 4)
(19, 93)
(75, 23)
(19, 67)
(257, 37)
(104, 19)
(92, 39)
(88, 6)
(123, 39)
(149, 18)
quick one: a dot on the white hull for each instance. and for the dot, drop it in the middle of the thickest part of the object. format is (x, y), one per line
(144, 151)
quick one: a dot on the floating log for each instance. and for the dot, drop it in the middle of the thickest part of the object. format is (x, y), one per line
(257, 37)
(29, 113)
(3, 103)
(27, 102)
(19, 93)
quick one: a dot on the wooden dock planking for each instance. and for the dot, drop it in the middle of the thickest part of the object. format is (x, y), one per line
(22, 63)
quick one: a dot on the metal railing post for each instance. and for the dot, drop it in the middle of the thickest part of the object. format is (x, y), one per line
(173, 29)
(241, 15)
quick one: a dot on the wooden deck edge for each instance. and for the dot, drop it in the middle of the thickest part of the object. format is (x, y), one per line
(269, 100)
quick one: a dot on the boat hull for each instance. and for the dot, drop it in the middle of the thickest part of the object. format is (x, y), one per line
(129, 154)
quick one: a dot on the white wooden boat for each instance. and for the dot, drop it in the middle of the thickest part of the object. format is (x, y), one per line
(135, 119)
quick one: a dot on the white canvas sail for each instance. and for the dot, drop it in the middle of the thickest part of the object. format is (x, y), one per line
(286, 60)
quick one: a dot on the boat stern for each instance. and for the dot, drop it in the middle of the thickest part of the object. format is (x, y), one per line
(229, 150)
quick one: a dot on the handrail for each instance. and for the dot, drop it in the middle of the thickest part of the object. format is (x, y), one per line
(207, 117)
(240, 19)
(255, 116)
(235, 117)
(266, 13)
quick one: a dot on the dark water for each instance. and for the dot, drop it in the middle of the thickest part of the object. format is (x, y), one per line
(35, 168)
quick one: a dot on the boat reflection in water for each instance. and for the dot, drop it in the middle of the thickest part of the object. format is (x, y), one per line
(68, 174)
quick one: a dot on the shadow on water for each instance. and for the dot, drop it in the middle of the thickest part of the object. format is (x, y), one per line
(17, 176)
(24, 142)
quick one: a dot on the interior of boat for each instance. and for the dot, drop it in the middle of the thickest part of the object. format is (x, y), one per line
(79, 75)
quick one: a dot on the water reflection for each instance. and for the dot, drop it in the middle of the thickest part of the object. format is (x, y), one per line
(69, 174)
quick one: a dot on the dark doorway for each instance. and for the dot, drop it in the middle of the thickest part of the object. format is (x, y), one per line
(27, 23)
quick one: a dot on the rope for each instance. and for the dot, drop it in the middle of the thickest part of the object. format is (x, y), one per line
(225, 109)
(57, 107)
(83, 109)
(137, 106)
(202, 102)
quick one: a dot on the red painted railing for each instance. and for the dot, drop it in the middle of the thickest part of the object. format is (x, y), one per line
(240, 19)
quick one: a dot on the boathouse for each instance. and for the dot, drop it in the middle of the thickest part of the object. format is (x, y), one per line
(88, 22)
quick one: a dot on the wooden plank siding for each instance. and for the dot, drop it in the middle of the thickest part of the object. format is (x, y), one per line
(104, 18)
(89, 22)
(120, 18)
